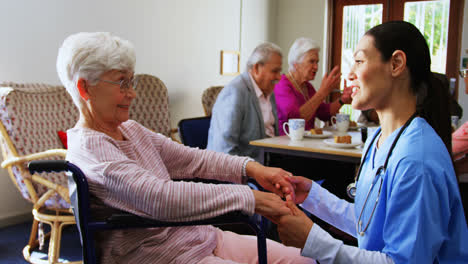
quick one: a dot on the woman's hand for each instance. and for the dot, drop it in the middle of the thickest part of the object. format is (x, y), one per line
(270, 205)
(301, 188)
(272, 179)
(294, 229)
(330, 81)
(346, 96)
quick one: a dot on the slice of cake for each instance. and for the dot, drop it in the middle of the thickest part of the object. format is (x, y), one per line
(316, 131)
(346, 139)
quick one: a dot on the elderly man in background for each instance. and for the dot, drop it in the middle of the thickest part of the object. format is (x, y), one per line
(245, 109)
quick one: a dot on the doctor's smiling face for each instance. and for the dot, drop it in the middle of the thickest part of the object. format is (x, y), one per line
(370, 76)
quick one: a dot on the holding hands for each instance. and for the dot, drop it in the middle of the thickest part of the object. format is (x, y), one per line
(293, 225)
(293, 229)
(275, 180)
(301, 186)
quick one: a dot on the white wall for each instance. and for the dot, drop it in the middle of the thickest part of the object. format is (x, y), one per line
(179, 41)
(462, 96)
(256, 20)
(300, 18)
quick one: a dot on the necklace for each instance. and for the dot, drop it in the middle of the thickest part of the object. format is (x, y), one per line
(304, 92)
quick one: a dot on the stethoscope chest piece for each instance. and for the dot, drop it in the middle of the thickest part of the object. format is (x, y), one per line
(351, 190)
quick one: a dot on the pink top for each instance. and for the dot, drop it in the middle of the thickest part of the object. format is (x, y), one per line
(460, 141)
(136, 176)
(289, 100)
(266, 108)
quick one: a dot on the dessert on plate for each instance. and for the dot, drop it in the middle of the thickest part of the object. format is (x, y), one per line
(346, 139)
(316, 131)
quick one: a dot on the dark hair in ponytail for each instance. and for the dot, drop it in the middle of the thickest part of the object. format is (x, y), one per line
(432, 96)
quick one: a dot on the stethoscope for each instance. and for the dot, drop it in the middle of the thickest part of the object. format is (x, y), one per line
(351, 189)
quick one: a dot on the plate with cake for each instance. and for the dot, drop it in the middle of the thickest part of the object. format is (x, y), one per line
(353, 126)
(345, 141)
(317, 133)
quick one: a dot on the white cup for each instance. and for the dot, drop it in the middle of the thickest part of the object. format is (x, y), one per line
(341, 122)
(296, 128)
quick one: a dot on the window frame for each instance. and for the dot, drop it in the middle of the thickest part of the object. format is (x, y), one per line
(394, 10)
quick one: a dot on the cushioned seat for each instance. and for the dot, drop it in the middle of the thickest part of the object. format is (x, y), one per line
(209, 98)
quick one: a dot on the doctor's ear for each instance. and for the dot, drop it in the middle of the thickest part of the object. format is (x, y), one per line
(398, 61)
(82, 86)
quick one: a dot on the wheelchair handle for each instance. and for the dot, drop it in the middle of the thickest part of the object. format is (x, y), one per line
(38, 166)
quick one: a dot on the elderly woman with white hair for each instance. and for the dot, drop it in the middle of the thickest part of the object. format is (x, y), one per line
(131, 168)
(296, 97)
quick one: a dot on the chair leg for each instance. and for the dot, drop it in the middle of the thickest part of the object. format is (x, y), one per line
(54, 242)
(32, 238)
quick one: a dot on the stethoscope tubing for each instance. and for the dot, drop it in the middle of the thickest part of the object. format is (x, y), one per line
(384, 167)
(351, 189)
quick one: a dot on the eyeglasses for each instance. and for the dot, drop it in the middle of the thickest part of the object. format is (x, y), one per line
(124, 84)
(463, 73)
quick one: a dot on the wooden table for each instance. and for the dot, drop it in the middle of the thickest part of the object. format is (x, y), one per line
(309, 147)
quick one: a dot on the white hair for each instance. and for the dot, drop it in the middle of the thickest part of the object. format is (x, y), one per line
(88, 55)
(262, 53)
(299, 48)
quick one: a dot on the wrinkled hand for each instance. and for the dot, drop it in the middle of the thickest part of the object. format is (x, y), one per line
(346, 96)
(272, 179)
(301, 186)
(294, 229)
(330, 81)
(270, 205)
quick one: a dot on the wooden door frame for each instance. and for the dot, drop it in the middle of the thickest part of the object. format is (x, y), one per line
(393, 9)
(337, 27)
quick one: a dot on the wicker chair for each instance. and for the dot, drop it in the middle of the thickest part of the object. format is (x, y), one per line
(31, 115)
(151, 106)
(209, 98)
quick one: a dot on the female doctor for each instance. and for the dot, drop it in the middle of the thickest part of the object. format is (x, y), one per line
(407, 205)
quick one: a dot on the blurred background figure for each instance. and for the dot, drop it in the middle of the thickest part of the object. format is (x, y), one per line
(245, 109)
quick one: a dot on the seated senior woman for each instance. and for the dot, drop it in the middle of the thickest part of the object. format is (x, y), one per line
(131, 168)
(296, 97)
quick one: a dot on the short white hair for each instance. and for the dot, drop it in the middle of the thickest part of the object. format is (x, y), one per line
(262, 53)
(88, 55)
(299, 48)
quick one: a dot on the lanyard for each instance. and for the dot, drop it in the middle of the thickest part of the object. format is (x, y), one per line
(351, 189)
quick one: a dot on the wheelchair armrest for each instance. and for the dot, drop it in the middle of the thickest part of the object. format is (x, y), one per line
(47, 166)
(128, 220)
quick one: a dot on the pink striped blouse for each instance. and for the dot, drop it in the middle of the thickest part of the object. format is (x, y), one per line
(136, 175)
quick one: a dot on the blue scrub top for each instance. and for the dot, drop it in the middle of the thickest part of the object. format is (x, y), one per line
(419, 217)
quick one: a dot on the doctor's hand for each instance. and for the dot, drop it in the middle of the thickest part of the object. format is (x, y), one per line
(294, 229)
(272, 179)
(301, 188)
